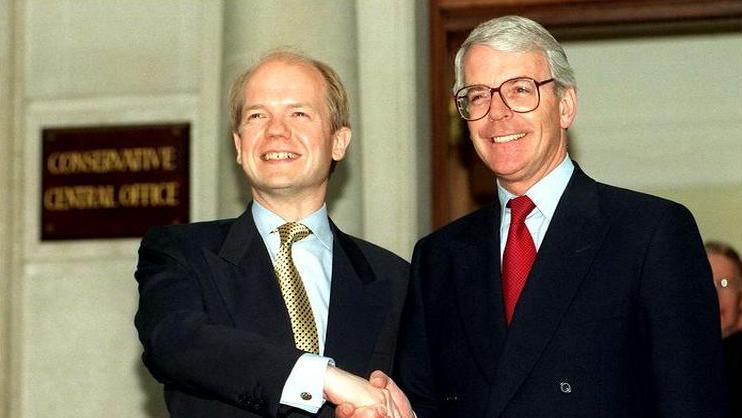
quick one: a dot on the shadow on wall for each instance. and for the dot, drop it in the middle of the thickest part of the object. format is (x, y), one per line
(243, 194)
(337, 184)
(154, 402)
(573, 145)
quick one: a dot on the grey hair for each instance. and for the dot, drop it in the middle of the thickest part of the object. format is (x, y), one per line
(518, 34)
(726, 250)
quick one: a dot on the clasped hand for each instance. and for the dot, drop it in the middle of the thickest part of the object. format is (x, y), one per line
(355, 397)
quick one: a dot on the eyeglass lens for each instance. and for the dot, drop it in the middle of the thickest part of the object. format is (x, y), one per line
(519, 95)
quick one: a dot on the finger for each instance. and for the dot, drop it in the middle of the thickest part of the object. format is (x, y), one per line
(371, 412)
(362, 412)
(399, 398)
(393, 410)
(344, 411)
(381, 411)
(387, 381)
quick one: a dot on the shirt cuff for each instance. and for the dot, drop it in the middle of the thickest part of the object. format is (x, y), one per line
(304, 388)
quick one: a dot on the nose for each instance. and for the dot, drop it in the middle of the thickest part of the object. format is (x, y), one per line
(277, 127)
(498, 109)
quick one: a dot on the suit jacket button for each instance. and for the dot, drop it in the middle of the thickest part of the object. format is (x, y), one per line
(565, 387)
(306, 396)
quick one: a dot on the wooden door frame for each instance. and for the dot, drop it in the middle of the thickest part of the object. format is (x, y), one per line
(452, 19)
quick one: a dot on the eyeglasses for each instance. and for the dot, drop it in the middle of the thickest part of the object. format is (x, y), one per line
(520, 95)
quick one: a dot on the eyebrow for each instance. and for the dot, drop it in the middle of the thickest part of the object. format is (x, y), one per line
(253, 107)
(292, 106)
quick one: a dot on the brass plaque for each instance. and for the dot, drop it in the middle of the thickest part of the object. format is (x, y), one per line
(113, 181)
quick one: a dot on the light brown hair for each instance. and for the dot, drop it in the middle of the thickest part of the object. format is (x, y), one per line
(335, 95)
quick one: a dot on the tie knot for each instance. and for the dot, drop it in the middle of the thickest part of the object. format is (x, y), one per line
(291, 232)
(520, 207)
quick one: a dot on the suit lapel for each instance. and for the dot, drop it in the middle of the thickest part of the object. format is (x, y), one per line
(243, 273)
(571, 242)
(359, 302)
(478, 288)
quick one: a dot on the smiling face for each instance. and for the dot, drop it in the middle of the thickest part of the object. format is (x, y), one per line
(520, 148)
(284, 143)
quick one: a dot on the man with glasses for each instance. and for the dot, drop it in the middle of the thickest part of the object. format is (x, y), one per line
(565, 297)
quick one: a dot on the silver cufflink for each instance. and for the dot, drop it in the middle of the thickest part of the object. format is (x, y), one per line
(306, 396)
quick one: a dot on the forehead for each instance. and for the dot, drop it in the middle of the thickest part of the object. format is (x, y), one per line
(486, 65)
(722, 265)
(279, 79)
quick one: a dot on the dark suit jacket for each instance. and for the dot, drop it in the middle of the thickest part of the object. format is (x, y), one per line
(215, 330)
(733, 367)
(618, 317)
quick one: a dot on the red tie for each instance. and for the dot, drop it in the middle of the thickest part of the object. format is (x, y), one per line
(519, 254)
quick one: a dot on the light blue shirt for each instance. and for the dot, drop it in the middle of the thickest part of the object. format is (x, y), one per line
(545, 194)
(313, 259)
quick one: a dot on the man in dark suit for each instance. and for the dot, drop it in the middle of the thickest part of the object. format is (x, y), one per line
(277, 311)
(565, 297)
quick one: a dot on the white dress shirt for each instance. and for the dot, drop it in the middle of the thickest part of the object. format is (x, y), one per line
(313, 259)
(545, 194)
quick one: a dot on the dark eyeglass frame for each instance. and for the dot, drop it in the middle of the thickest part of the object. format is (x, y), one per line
(497, 89)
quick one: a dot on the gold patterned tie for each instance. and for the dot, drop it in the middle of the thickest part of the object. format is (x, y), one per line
(292, 289)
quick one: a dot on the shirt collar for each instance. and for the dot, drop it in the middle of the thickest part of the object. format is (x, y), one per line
(268, 222)
(546, 193)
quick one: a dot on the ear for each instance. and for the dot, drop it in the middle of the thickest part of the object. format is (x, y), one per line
(567, 108)
(340, 142)
(237, 147)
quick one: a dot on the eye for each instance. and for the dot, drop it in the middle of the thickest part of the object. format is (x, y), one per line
(252, 116)
(478, 96)
(300, 114)
(522, 88)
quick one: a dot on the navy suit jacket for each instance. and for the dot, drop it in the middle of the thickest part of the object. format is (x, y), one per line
(215, 330)
(618, 317)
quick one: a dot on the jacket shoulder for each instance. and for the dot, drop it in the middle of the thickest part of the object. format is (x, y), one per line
(378, 255)
(209, 234)
(483, 221)
(619, 202)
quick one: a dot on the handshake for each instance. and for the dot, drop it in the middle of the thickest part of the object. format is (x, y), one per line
(355, 397)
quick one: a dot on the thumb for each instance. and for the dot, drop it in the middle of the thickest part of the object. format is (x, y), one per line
(379, 379)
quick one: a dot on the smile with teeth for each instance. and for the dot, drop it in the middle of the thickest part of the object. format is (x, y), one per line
(507, 138)
(285, 155)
